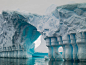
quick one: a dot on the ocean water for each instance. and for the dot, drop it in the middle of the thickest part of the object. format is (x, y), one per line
(36, 61)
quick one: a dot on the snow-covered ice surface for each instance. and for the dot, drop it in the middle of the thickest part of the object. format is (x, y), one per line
(14, 26)
(63, 20)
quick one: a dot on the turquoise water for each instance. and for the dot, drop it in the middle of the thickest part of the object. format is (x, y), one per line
(37, 54)
(36, 61)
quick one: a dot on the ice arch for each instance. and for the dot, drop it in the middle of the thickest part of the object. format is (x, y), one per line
(17, 34)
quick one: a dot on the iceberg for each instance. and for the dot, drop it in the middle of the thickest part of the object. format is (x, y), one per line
(65, 26)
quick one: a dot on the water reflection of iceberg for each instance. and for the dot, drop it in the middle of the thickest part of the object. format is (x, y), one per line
(55, 62)
(66, 63)
(36, 61)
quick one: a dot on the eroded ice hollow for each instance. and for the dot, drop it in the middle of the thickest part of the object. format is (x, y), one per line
(65, 26)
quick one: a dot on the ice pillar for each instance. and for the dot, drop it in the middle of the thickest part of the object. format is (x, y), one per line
(12, 52)
(75, 48)
(68, 48)
(55, 45)
(20, 52)
(15, 52)
(17, 49)
(24, 52)
(81, 43)
(63, 46)
(50, 48)
(0, 54)
(5, 52)
(9, 51)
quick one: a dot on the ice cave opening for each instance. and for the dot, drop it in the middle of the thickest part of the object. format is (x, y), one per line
(37, 42)
(60, 49)
(17, 36)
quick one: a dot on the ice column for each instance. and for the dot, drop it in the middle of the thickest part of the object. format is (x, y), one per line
(15, 52)
(55, 45)
(81, 43)
(75, 48)
(50, 48)
(8, 51)
(68, 48)
(24, 52)
(4, 52)
(20, 52)
(0, 54)
(12, 52)
(63, 46)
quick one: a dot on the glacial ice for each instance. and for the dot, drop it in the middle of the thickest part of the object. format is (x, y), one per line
(23, 29)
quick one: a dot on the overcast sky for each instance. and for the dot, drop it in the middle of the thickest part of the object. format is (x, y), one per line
(33, 6)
